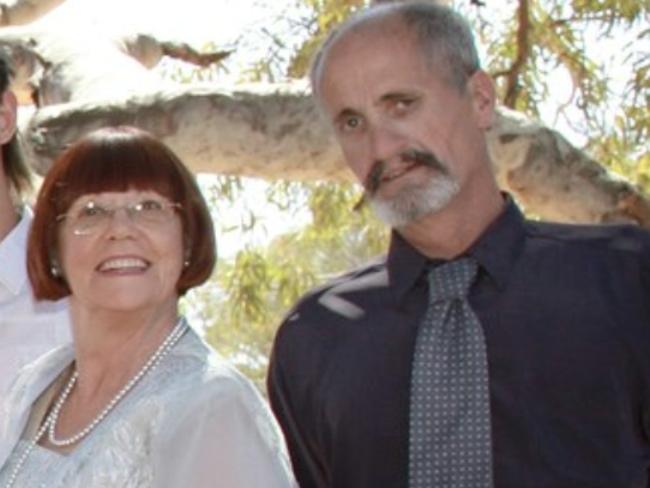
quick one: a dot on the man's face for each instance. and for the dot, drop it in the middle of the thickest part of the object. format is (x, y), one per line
(406, 133)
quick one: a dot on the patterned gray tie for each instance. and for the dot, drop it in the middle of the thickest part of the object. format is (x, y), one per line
(450, 439)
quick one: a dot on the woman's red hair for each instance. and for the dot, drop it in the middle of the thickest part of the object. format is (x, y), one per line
(117, 159)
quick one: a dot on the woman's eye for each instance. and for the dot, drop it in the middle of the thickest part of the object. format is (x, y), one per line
(150, 205)
(91, 210)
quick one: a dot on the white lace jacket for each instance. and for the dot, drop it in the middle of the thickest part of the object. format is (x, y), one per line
(192, 422)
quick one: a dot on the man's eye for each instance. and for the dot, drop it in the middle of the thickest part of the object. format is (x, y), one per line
(351, 123)
(403, 105)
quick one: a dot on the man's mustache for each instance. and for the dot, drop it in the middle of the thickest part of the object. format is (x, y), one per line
(374, 177)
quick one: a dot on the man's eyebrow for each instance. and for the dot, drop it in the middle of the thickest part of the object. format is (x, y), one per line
(346, 112)
(396, 95)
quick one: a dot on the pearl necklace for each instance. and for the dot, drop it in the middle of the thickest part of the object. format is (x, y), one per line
(49, 425)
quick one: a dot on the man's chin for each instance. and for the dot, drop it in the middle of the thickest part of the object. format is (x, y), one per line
(398, 216)
(412, 204)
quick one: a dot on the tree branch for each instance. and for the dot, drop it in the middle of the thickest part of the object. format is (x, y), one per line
(20, 12)
(148, 50)
(512, 75)
(557, 181)
(276, 133)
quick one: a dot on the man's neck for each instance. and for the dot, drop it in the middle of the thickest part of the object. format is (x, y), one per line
(451, 231)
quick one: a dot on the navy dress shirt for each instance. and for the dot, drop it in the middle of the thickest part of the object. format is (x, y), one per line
(566, 315)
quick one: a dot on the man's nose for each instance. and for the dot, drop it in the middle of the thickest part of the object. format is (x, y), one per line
(386, 142)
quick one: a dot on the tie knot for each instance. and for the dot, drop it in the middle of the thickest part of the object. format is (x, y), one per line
(451, 280)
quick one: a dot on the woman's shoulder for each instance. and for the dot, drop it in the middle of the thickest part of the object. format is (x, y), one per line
(195, 371)
(37, 375)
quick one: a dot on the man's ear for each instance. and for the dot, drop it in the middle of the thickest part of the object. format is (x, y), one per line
(481, 89)
(8, 107)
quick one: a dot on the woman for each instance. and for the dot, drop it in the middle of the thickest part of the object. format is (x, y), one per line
(138, 400)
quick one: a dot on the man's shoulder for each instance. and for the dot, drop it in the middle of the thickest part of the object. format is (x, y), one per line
(344, 294)
(330, 314)
(362, 279)
(607, 238)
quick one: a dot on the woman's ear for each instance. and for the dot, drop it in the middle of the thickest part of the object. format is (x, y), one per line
(55, 268)
(187, 253)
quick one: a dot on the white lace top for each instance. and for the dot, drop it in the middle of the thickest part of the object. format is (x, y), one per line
(192, 422)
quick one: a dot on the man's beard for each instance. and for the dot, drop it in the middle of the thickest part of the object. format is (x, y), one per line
(413, 201)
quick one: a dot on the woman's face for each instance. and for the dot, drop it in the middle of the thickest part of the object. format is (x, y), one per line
(121, 251)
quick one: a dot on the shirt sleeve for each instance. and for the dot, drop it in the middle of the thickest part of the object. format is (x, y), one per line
(223, 435)
(645, 283)
(281, 386)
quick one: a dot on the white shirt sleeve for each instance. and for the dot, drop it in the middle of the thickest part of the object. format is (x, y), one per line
(28, 329)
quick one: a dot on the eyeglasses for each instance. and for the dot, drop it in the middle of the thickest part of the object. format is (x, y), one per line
(94, 217)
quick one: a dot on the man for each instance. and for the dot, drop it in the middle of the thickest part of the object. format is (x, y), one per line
(551, 388)
(27, 329)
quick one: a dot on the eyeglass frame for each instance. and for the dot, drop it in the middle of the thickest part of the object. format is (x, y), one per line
(109, 213)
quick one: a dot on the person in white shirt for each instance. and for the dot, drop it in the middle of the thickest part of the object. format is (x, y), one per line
(27, 328)
(138, 399)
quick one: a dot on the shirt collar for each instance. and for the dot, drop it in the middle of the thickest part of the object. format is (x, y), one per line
(500, 245)
(13, 251)
(496, 250)
(405, 265)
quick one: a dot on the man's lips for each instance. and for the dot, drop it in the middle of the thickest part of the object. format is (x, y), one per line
(409, 159)
(397, 172)
(378, 177)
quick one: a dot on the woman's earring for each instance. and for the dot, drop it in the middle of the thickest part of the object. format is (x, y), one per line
(55, 270)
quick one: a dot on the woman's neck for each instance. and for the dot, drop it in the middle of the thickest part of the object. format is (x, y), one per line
(110, 347)
(111, 357)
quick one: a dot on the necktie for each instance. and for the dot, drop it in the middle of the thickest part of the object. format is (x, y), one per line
(450, 443)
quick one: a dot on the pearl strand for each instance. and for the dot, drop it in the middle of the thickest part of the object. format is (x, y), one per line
(28, 450)
(153, 361)
(49, 425)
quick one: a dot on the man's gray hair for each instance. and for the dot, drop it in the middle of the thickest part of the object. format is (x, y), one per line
(443, 35)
